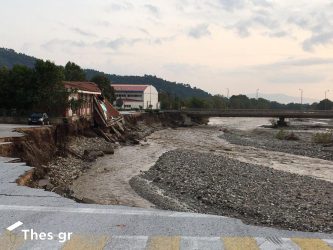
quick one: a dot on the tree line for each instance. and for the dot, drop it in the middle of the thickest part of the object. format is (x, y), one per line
(169, 101)
(41, 89)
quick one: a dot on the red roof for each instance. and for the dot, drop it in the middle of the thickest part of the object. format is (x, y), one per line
(83, 86)
(129, 87)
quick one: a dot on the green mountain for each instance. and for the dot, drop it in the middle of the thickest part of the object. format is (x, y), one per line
(173, 88)
(9, 58)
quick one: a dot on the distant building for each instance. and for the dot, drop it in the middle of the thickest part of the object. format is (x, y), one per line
(130, 96)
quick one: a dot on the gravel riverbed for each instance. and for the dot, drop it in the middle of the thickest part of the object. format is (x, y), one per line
(216, 184)
(268, 141)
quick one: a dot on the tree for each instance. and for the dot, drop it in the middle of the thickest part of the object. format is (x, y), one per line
(74, 72)
(50, 93)
(196, 103)
(325, 105)
(4, 87)
(104, 84)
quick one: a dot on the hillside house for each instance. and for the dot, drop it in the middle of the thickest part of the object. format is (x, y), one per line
(93, 106)
(85, 91)
(133, 96)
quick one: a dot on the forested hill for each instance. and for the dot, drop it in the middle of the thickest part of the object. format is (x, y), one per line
(177, 89)
(9, 58)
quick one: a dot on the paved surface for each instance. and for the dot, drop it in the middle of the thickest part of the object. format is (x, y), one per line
(6, 130)
(70, 225)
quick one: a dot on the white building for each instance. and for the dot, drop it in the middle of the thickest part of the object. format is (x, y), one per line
(136, 96)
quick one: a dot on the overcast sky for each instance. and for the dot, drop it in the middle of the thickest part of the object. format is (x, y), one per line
(277, 46)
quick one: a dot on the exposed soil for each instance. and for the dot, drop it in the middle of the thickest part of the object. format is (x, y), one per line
(262, 196)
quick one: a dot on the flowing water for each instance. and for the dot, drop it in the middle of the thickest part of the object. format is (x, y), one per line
(107, 182)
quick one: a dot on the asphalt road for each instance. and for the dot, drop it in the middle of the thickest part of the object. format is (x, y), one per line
(53, 222)
(6, 130)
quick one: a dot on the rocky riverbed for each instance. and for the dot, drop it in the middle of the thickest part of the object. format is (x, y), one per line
(266, 139)
(216, 184)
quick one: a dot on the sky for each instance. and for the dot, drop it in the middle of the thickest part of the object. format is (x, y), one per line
(277, 46)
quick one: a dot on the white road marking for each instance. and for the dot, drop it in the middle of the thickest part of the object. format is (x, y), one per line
(274, 243)
(14, 226)
(102, 211)
(198, 243)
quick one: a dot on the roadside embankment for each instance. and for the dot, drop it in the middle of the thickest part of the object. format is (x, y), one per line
(215, 184)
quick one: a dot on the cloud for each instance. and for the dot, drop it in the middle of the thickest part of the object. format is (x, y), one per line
(289, 63)
(152, 9)
(64, 44)
(258, 19)
(296, 78)
(117, 43)
(119, 6)
(317, 39)
(278, 34)
(318, 21)
(82, 32)
(199, 31)
(231, 5)
(262, 3)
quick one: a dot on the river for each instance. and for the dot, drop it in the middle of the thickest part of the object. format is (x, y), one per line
(107, 182)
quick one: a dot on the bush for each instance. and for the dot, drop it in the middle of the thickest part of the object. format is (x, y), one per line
(282, 135)
(324, 137)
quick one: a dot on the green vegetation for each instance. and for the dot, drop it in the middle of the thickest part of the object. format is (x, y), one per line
(9, 58)
(283, 135)
(74, 72)
(104, 84)
(39, 89)
(323, 137)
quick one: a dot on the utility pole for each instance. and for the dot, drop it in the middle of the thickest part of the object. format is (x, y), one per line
(326, 93)
(301, 98)
(326, 98)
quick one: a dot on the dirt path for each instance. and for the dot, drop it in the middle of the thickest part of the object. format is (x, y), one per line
(107, 181)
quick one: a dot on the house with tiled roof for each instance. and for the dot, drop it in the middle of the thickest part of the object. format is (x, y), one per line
(92, 105)
(132, 96)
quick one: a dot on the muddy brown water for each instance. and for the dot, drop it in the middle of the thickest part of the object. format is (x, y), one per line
(107, 182)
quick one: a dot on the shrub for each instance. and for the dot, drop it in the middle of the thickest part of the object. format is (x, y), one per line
(323, 137)
(291, 137)
(282, 135)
